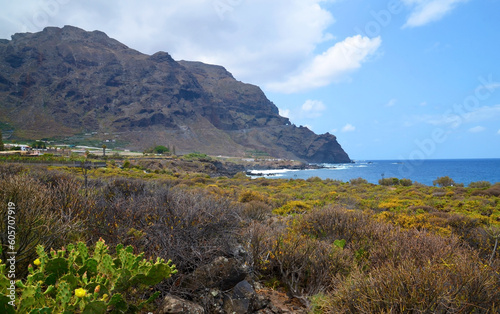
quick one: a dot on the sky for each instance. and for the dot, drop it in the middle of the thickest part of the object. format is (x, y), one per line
(392, 79)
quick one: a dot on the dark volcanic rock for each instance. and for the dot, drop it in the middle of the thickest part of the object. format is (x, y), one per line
(223, 273)
(172, 304)
(66, 81)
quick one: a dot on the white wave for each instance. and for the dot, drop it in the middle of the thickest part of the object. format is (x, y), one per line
(328, 166)
(270, 172)
(271, 176)
(342, 167)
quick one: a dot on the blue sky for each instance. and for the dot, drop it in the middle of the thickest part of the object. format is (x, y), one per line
(392, 79)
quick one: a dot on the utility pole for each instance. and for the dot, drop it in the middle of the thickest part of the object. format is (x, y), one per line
(85, 169)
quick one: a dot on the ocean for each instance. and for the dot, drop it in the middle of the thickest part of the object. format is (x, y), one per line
(422, 171)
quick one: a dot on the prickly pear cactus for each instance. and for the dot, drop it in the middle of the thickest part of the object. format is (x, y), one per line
(78, 280)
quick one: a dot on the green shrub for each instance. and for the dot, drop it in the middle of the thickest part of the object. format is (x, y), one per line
(405, 182)
(388, 181)
(314, 179)
(196, 155)
(38, 145)
(395, 181)
(443, 181)
(358, 181)
(479, 184)
(160, 149)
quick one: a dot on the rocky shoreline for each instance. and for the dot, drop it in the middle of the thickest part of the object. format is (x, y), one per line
(223, 168)
(254, 171)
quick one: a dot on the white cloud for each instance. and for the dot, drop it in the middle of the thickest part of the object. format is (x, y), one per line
(312, 108)
(259, 41)
(437, 47)
(391, 103)
(427, 11)
(284, 112)
(331, 66)
(477, 129)
(454, 119)
(490, 87)
(313, 105)
(498, 132)
(348, 128)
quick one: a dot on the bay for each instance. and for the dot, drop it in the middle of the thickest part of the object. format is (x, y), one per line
(423, 171)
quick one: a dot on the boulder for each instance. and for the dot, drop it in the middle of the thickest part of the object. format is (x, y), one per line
(172, 304)
(223, 273)
(243, 299)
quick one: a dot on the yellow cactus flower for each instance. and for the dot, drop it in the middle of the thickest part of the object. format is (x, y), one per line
(37, 262)
(80, 293)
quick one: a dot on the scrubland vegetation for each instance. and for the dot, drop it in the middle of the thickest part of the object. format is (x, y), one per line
(338, 247)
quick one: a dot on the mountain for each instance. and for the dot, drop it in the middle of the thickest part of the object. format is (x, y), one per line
(69, 83)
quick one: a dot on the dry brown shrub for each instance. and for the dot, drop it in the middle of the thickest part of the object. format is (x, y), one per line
(335, 223)
(458, 284)
(189, 227)
(256, 210)
(43, 215)
(260, 238)
(305, 265)
(348, 202)
(397, 270)
(425, 208)
(123, 187)
(397, 245)
(8, 169)
(494, 190)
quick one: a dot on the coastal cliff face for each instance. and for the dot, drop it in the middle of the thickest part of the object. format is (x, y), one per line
(65, 82)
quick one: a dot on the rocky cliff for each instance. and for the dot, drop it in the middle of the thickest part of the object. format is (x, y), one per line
(65, 82)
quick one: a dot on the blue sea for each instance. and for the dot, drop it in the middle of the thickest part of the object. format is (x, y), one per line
(423, 171)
